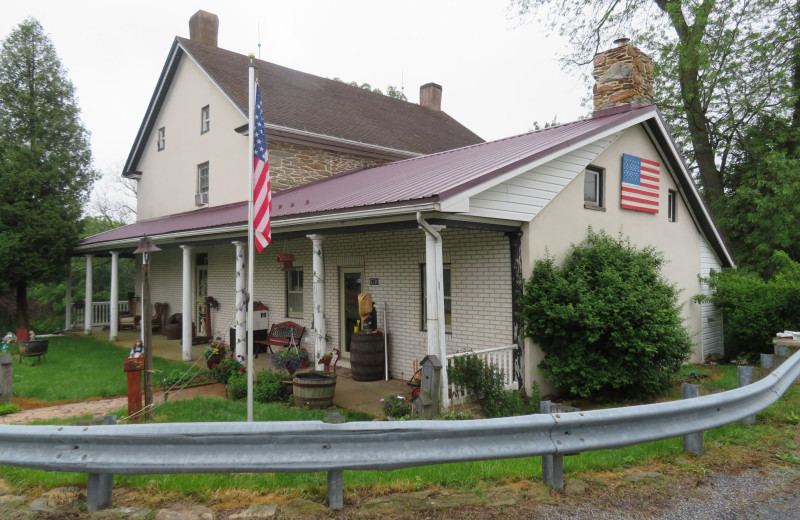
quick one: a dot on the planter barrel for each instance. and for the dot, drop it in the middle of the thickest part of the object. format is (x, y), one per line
(313, 389)
(367, 356)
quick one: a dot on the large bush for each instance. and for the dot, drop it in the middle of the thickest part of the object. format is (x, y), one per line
(607, 320)
(755, 308)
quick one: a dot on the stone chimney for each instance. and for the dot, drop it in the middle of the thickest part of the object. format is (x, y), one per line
(623, 75)
(430, 96)
(203, 28)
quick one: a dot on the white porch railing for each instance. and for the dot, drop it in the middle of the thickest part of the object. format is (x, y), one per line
(502, 357)
(101, 313)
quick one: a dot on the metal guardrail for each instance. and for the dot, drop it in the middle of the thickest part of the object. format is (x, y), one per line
(310, 446)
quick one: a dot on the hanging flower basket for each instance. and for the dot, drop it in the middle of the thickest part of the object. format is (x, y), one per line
(291, 358)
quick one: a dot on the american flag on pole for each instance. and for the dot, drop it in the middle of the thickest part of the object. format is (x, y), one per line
(640, 184)
(262, 194)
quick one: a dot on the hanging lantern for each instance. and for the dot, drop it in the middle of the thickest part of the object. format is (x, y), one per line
(286, 262)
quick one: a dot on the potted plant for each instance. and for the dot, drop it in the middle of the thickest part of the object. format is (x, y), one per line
(291, 358)
(215, 353)
(326, 359)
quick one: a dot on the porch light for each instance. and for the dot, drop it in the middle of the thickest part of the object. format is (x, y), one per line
(286, 262)
(146, 246)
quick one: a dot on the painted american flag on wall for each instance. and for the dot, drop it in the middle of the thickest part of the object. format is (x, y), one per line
(640, 182)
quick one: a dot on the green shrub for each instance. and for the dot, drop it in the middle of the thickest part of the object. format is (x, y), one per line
(8, 408)
(482, 380)
(486, 383)
(607, 320)
(754, 308)
(269, 387)
(237, 387)
(226, 368)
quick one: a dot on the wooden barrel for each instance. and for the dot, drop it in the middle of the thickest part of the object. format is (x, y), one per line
(313, 389)
(366, 356)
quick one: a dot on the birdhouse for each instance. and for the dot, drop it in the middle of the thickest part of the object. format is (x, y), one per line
(260, 316)
(286, 262)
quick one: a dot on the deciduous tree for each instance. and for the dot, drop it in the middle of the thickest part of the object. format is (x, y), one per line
(719, 64)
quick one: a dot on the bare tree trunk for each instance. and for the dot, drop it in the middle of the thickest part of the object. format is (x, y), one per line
(793, 142)
(690, 41)
(22, 306)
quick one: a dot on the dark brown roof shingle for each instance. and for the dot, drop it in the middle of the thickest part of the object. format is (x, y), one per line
(297, 100)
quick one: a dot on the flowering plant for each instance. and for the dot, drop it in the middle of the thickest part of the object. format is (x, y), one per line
(226, 368)
(217, 348)
(396, 406)
(291, 358)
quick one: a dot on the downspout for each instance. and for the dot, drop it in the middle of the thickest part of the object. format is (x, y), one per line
(435, 291)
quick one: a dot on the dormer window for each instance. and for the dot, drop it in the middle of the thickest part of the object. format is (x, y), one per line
(162, 138)
(205, 119)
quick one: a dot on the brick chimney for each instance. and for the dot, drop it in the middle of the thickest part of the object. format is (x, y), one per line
(623, 75)
(430, 96)
(203, 28)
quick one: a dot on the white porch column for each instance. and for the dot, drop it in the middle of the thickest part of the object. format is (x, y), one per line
(87, 310)
(318, 277)
(186, 305)
(241, 308)
(114, 325)
(68, 297)
(434, 285)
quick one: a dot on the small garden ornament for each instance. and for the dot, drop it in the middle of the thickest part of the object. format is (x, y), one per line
(137, 350)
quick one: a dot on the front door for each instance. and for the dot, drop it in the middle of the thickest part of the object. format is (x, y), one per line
(350, 283)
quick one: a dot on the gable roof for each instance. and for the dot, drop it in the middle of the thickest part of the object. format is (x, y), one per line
(307, 108)
(428, 183)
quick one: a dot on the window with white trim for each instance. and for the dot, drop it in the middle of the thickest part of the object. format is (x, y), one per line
(205, 119)
(162, 138)
(202, 178)
(448, 300)
(294, 294)
(593, 187)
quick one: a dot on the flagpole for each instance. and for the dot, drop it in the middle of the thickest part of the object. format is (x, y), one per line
(250, 239)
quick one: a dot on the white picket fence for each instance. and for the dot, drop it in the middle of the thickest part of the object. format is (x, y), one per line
(101, 313)
(502, 357)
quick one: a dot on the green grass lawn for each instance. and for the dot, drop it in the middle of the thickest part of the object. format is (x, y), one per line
(79, 369)
(100, 365)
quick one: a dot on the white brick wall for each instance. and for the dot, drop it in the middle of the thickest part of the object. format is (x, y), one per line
(480, 275)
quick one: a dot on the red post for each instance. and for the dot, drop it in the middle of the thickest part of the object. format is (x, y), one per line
(134, 367)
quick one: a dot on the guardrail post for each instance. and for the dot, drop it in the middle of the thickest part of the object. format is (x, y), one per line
(335, 477)
(692, 442)
(552, 465)
(767, 360)
(6, 377)
(745, 378)
(335, 489)
(98, 488)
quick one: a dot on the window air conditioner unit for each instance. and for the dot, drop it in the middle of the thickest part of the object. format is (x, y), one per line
(201, 199)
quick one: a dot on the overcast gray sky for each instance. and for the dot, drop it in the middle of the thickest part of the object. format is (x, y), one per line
(498, 76)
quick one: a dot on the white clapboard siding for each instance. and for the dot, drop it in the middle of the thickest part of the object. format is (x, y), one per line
(523, 196)
(711, 316)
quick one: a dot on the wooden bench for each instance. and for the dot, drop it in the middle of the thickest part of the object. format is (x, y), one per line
(281, 335)
(36, 348)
